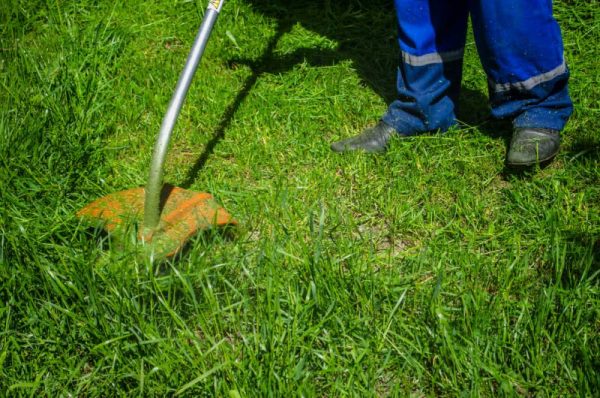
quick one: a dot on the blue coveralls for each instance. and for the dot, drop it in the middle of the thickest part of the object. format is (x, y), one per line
(520, 47)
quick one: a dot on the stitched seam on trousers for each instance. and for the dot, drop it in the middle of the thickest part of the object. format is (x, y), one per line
(432, 58)
(532, 81)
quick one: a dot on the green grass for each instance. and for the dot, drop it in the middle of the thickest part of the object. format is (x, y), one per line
(426, 271)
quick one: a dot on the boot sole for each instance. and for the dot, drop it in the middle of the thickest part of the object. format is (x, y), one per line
(537, 161)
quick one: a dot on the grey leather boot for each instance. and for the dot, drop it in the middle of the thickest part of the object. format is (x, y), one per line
(373, 139)
(530, 146)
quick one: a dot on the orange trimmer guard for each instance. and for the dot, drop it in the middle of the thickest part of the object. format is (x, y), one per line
(183, 214)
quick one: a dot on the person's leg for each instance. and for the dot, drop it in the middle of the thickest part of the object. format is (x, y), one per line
(431, 35)
(521, 49)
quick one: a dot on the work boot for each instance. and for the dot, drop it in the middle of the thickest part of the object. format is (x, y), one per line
(531, 146)
(373, 139)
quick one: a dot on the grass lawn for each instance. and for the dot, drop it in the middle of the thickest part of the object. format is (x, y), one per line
(429, 270)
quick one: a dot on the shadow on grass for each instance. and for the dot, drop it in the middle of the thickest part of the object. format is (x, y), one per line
(203, 239)
(582, 259)
(366, 36)
(585, 150)
(259, 68)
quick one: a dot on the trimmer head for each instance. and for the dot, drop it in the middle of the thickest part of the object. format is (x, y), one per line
(183, 214)
(164, 217)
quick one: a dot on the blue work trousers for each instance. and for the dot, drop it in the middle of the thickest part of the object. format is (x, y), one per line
(519, 45)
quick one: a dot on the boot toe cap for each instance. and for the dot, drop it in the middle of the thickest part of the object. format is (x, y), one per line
(532, 146)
